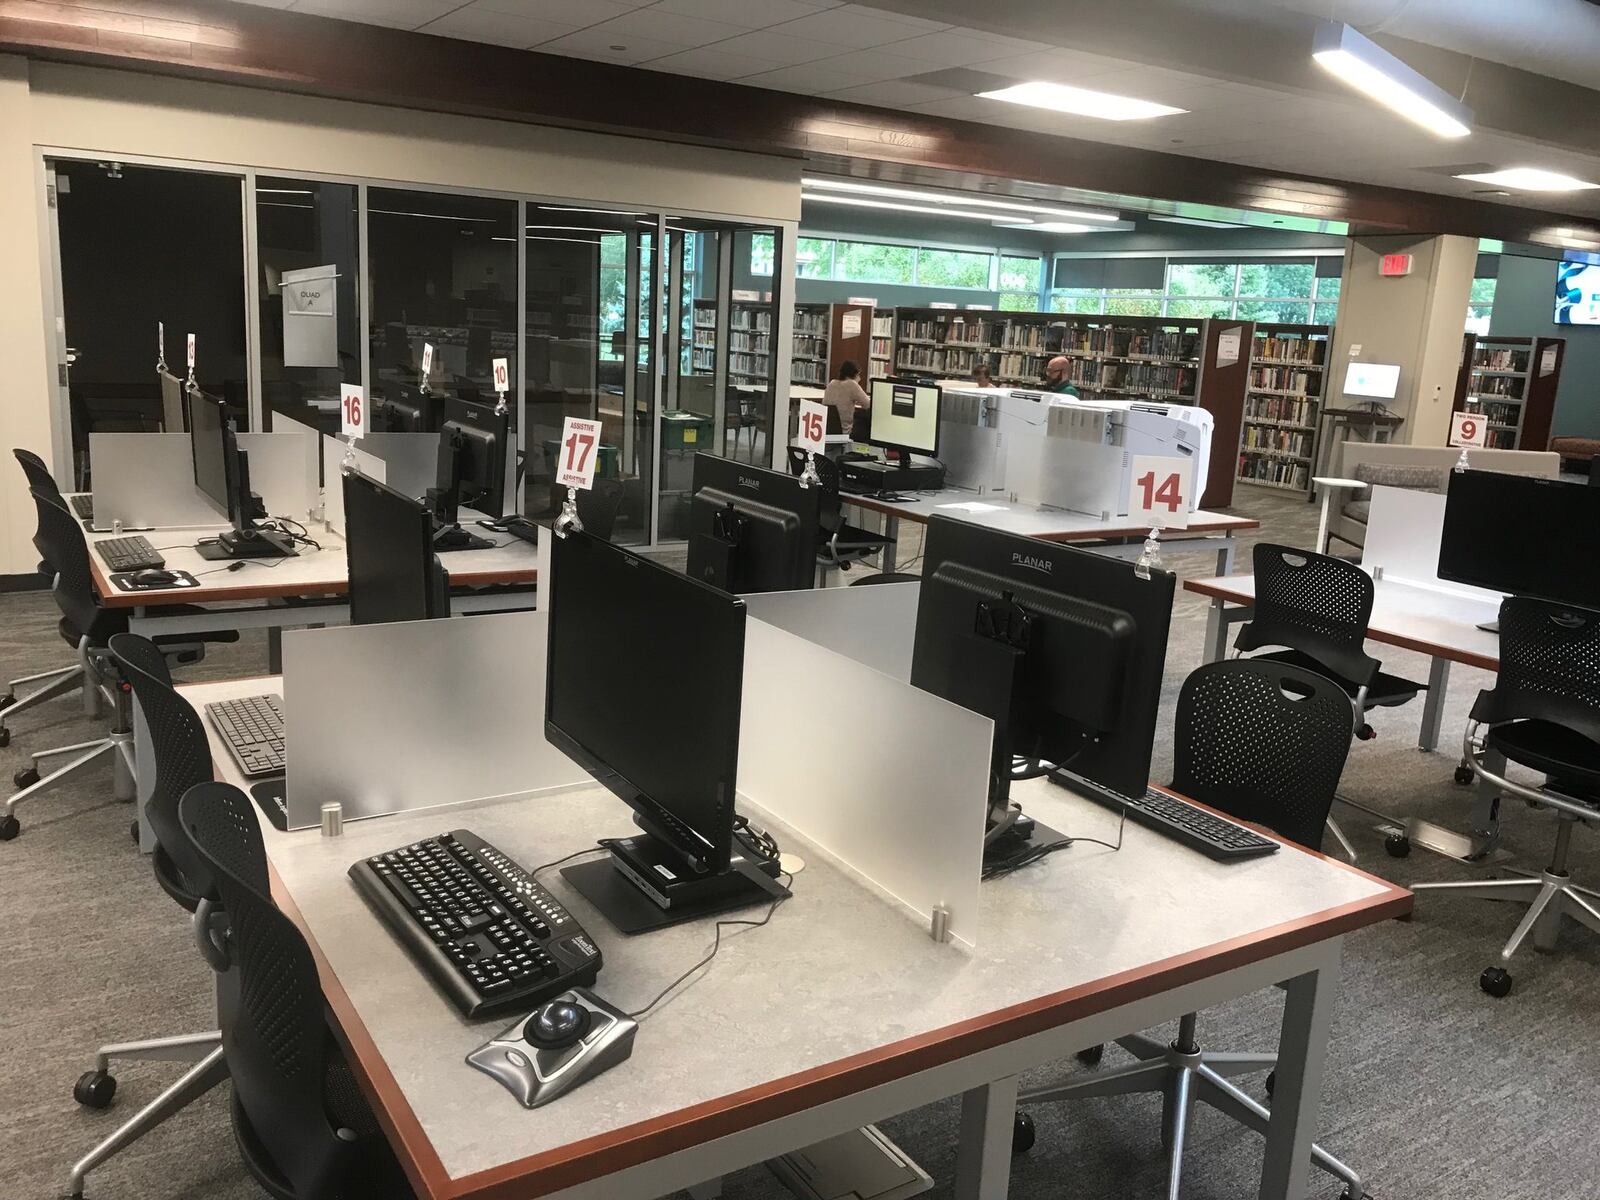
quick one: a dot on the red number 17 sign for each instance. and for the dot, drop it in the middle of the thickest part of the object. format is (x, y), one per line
(578, 452)
(1159, 494)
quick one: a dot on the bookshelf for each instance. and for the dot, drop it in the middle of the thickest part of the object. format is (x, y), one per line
(1511, 382)
(1113, 357)
(808, 345)
(1283, 403)
(703, 360)
(880, 357)
(749, 342)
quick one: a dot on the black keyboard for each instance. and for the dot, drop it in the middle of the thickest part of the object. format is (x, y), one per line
(253, 730)
(490, 936)
(1214, 836)
(83, 506)
(129, 553)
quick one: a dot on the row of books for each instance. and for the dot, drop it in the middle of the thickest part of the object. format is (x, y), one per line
(926, 330)
(1018, 335)
(749, 343)
(970, 330)
(1292, 349)
(883, 327)
(881, 347)
(704, 335)
(1120, 341)
(806, 371)
(1286, 379)
(753, 366)
(1279, 472)
(1499, 385)
(1496, 414)
(1145, 378)
(1288, 410)
(810, 323)
(809, 345)
(759, 320)
(1499, 358)
(1282, 441)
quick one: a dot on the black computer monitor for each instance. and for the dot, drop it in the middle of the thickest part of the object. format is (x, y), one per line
(471, 470)
(751, 529)
(1062, 648)
(222, 474)
(644, 680)
(904, 417)
(394, 573)
(406, 408)
(1523, 536)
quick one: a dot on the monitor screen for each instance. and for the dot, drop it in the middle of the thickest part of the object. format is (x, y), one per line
(1523, 536)
(389, 546)
(904, 416)
(644, 680)
(208, 445)
(1378, 380)
(1577, 293)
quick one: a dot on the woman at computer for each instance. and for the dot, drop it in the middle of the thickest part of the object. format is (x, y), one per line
(981, 375)
(845, 395)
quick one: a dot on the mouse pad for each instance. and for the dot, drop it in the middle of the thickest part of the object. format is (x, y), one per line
(123, 581)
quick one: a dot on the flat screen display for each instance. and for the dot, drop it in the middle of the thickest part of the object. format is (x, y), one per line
(1379, 381)
(209, 448)
(1577, 293)
(904, 416)
(1523, 536)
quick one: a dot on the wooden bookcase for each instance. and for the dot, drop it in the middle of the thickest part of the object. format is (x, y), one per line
(880, 349)
(1512, 383)
(1283, 401)
(808, 345)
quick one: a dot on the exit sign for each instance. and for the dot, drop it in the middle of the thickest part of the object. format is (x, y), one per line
(1395, 264)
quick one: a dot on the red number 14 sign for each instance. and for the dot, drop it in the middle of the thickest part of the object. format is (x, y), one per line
(1159, 494)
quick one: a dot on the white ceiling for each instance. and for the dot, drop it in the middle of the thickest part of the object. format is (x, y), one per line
(868, 55)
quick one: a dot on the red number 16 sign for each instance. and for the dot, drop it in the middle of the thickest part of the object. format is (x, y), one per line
(1159, 494)
(580, 447)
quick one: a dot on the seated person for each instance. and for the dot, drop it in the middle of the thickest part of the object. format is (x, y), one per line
(1058, 377)
(844, 394)
(981, 375)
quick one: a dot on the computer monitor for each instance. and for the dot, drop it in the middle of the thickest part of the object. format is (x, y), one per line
(644, 680)
(405, 408)
(222, 474)
(1379, 381)
(904, 417)
(1522, 535)
(471, 470)
(751, 529)
(1063, 649)
(394, 573)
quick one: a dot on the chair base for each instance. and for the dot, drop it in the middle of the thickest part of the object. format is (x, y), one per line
(52, 685)
(117, 745)
(1183, 1074)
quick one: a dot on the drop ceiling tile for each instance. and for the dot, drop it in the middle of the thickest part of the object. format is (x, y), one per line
(873, 66)
(670, 28)
(268, 3)
(1057, 66)
(502, 29)
(809, 79)
(576, 14)
(775, 45)
(950, 48)
(855, 26)
(599, 46)
(893, 93)
(400, 14)
(709, 62)
(747, 14)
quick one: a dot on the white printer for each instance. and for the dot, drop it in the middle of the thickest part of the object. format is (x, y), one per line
(1089, 446)
(991, 440)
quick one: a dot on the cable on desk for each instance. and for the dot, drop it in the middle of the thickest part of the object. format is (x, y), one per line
(293, 530)
(537, 871)
(1033, 854)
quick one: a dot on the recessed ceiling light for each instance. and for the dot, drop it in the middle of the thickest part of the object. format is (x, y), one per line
(1052, 227)
(958, 199)
(1058, 97)
(1531, 179)
(1370, 69)
(616, 47)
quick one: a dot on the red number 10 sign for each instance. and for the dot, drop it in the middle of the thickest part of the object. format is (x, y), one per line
(576, 456)
(1159, 494)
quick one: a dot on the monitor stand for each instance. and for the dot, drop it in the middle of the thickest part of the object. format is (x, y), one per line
(247, 543)
(453, 537)
(617, 885)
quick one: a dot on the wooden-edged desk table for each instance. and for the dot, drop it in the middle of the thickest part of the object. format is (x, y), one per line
(1118, 536)
(838, 1013)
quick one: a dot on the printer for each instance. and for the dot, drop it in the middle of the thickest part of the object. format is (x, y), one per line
(991, 440)
(1089, 447)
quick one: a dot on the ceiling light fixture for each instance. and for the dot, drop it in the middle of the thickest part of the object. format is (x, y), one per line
(1201, 223)
(261, 191)
(959, 200)
(931, 209)
(394, 212)
(610, 212)
(1531, 179)
(1058, 97)
(1362, 64)
(575, 228)
(1051, 226)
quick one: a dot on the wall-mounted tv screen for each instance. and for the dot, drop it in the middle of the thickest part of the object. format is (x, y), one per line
(1378, 380)
(1578, 293)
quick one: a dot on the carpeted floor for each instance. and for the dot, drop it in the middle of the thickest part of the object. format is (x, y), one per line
(1433, 1090)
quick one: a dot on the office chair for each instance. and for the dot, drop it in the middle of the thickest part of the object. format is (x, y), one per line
(1543, 713)
(597, 507)
(88, 627)
(302, 1126)
(1263, 741)
(1318, 608)
(182, 760)
(839, 545)
(746, 412)
(885, 577)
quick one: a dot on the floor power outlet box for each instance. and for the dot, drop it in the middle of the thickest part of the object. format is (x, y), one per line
(860, 1165)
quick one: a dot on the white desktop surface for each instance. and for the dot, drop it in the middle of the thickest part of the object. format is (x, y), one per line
(1031, 519)
(836, 975)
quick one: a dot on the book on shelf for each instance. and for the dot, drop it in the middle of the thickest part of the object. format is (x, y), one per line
(1274, 440)
(1300, 351)
(1274, 472)
(883, 327)
(1285, 379)
(1281, 410)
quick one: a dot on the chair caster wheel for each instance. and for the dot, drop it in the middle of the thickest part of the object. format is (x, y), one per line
(6, 702)
(1347, 1194)
(5, 737)
(1366, 733)
(1272, 1082)
(26, 777)
(9, 827)
(133, 830)
(1496, 981)
(1092, 1056)
(1464, 775)
(94, 1089)
(1398, 845)
(1023, 1133)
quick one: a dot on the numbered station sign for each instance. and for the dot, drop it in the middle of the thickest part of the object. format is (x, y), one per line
(1468, 429)
(813, 426)
(161, 341)
(427, 361)
(1159, 494)
(578, 452)
(190, 352)
(502, 375)
(354, 420)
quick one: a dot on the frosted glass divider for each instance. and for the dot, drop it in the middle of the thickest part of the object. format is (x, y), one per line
(147, 479)
(393, 718)
(411, 459)
(333, 486)
(1404, 528)
(283, 471)
(889, 781)
(875, 626)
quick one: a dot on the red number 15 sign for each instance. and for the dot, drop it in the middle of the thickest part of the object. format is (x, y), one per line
(576, 456)
(813, 431)
(1159, 495)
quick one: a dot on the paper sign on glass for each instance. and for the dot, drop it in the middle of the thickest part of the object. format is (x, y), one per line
(1159, 496)
(427, 361)
(191, 353)
(1228, 344)
(353, 419)
(1468, 429)
(576, 456)
(813, 426)
(502, 374)
(850, 324)
(1547, 361)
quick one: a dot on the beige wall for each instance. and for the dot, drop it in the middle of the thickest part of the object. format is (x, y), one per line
(107, 113)
(1415, 320)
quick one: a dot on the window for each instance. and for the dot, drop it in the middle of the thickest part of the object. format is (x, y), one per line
(814, 258)
(762, 252)
(953, 268)
(1480, 305)
(1287, 290)
(1019, 283)
(872, 262)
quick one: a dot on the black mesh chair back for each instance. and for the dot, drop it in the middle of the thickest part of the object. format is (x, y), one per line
(182, 760)
(1314, 604)
(275, 1039)
(830, 513)
(886, 577)
(1549, 667)
(66, 549)
(37, 472)
(598, 507)
(1263, 741)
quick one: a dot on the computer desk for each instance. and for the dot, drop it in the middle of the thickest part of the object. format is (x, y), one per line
(1124, 538)
(839, 1013)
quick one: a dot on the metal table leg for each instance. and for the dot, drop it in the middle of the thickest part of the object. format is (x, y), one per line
(891, 530)
(983, 1162)
(1297, 1096)
(1225, 555)
(1433, 705)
